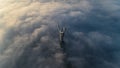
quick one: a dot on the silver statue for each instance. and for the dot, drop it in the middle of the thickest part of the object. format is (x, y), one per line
(61, 34)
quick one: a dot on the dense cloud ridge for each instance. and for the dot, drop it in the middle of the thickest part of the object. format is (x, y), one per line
(29, 37)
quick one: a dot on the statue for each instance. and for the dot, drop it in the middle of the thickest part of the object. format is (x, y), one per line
(61, 35)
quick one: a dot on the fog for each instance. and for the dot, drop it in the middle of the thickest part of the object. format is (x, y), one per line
(29, 37)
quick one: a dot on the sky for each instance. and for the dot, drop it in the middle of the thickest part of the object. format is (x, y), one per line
(29, 37)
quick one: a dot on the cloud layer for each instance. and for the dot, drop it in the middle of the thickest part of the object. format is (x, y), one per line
(29, 37)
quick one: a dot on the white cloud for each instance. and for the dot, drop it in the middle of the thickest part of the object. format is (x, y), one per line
(28, 30)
